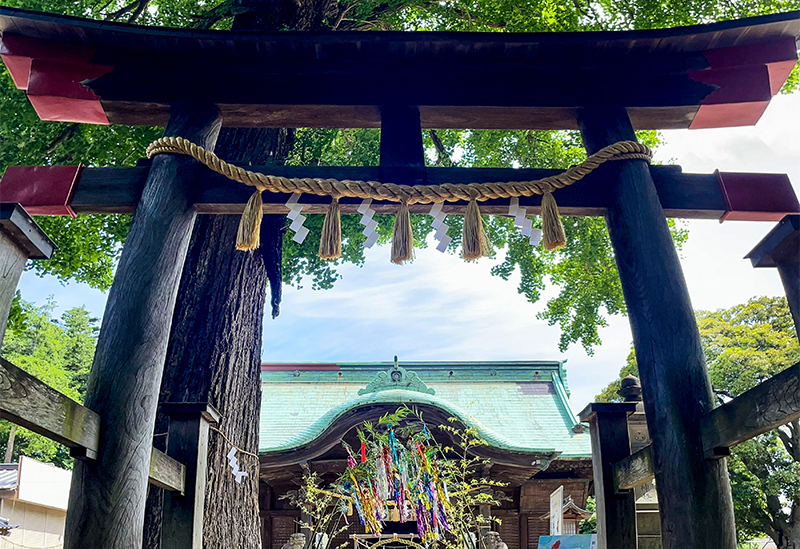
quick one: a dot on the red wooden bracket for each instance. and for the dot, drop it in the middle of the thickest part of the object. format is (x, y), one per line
(746, 77)
(52, 73)
(41, 190)
(757, 197)
(56, 92)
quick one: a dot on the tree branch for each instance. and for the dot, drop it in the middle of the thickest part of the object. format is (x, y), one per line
(441, 153)
(789, 435)
(139, 10)
(777, 518)
(66, 133)
(342, 14)
(114, 15)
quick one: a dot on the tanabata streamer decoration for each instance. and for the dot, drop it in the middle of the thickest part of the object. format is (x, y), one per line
(393, 480)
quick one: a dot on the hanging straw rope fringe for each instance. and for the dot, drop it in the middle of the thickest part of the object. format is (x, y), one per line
(474, 237)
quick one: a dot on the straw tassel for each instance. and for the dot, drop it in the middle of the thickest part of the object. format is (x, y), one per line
(402, 237)
(330, 243)
(473, 241)
(553, 235)
(248, 237)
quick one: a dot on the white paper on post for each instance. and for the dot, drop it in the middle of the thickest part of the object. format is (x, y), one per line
(297, 223)
(367, 217)
(519, 220)
(370, 225)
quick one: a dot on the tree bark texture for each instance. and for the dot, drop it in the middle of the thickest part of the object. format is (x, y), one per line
(214, 351)
(107, 496)
(694, 494)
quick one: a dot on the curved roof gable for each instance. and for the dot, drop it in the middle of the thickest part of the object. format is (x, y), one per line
(519, 407)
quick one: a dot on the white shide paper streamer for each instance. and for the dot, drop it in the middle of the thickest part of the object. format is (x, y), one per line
(233, 461)
(370, 225)
(525, 223)
(440, 226)
(300, 232)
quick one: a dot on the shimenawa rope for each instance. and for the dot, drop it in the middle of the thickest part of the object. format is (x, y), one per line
(474, 239)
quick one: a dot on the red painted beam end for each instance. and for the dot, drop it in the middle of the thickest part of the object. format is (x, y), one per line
(757, 196)
(746, 78)
(52, 73)
(41, 190)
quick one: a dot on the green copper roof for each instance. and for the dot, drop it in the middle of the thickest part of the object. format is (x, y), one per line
(516, 406)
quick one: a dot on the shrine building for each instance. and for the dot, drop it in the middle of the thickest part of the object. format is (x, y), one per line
(534, 440)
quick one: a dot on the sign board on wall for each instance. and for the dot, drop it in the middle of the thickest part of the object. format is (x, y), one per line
(557, 512)
(578, 541)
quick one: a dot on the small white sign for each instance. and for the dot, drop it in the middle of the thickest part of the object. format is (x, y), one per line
(557, 511)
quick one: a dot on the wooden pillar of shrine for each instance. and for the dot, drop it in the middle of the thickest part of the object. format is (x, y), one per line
(781, 249)
(616, 512)
(21, 239)
(187, 442)
(107, 497)
(693, 493)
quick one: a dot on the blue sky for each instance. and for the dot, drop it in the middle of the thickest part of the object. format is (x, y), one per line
(441, 308)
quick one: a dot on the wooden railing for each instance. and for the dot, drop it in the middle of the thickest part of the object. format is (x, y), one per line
(763, 408)
(32, 404)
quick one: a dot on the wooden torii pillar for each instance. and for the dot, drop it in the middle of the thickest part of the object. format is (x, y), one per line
(106, 503)
(694, 493)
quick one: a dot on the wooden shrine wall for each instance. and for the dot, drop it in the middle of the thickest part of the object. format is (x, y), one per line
(535, 502)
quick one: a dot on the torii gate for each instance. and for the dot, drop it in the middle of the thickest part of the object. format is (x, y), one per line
(604, 84)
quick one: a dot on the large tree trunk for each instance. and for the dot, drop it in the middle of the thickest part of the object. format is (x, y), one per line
(215, 345)
(214, 352)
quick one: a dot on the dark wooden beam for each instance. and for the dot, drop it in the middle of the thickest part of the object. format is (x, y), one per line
(763, 408)
(694, 494)
(167, 473)
(667, 77)
(781, 249)
(28, 402)
(634, 470)
(616, 510)
(117, 190)
(107, 497)
(105, 190)
(16, 223)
